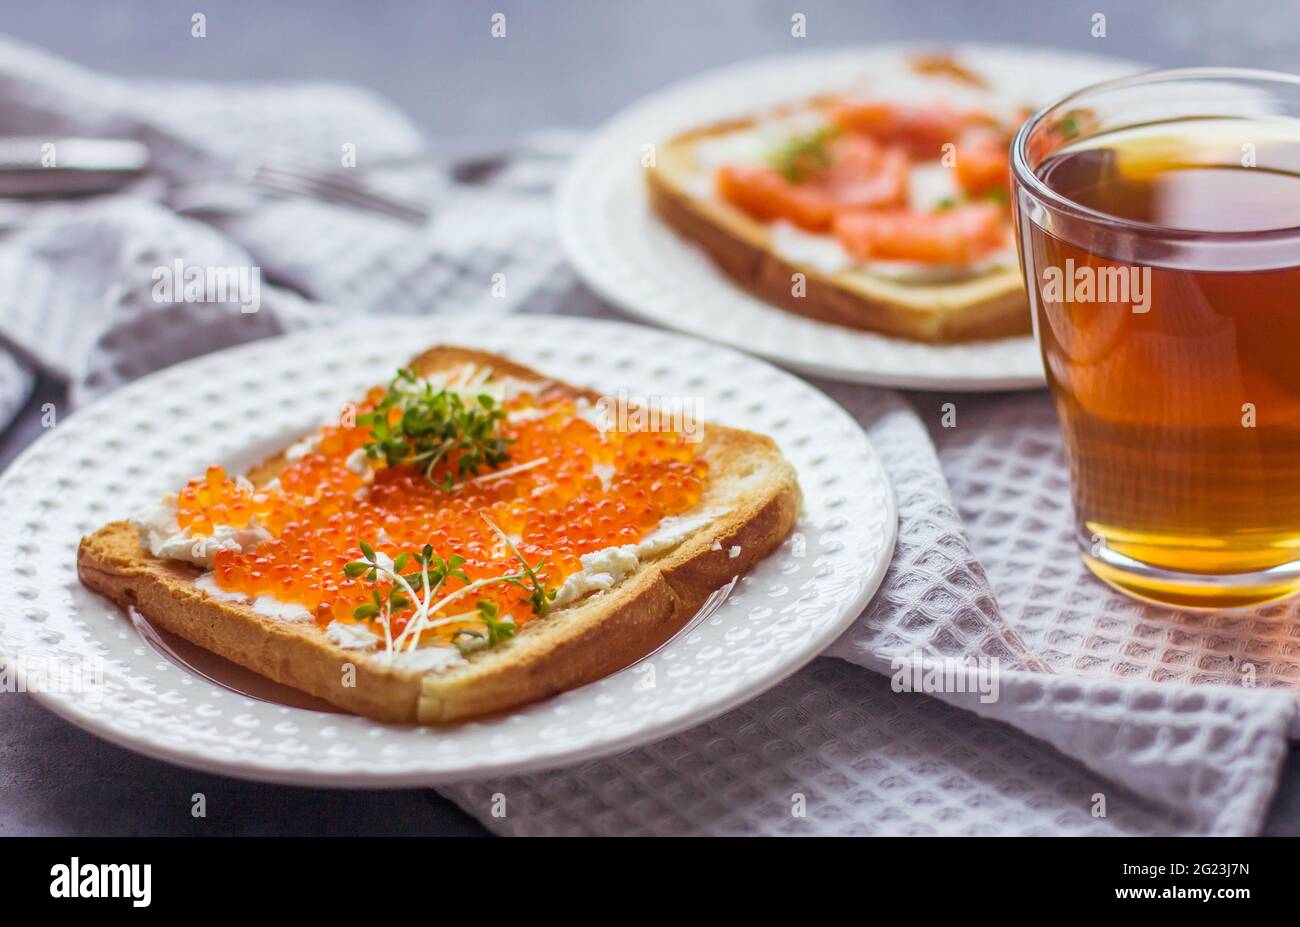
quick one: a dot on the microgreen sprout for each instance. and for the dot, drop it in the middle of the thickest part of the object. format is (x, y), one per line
(804, 156)
(434, 423)
(1072, 122)
(418, 589)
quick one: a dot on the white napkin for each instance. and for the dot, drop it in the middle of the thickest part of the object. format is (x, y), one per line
(1079, 741)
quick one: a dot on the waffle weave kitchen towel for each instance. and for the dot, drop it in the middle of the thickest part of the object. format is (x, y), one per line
(1109, 718)
(836, 750)
(77, 281)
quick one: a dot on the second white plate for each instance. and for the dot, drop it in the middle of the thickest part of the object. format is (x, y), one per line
(631, 259)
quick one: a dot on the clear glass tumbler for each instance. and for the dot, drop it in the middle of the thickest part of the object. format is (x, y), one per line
(1158, 222)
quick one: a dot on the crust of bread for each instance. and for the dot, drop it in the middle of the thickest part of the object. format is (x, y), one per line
(569, 647)
(993, 305)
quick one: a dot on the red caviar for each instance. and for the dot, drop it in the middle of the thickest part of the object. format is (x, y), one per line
(575, 491)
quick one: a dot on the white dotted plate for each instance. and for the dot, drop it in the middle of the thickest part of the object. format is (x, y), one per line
(236, 406)
(627, 255)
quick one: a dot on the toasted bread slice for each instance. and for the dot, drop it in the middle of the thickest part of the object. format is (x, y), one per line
(990, 305)
(566, 648)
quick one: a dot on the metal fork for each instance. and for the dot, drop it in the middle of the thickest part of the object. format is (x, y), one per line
(289, 176)
(105, 165)
(289, 173)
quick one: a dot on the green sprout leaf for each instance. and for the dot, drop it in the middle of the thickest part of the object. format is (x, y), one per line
(498, 629)
(804, 156)
(433, 425)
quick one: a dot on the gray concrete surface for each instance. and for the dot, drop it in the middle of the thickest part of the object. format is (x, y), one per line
(565, 62)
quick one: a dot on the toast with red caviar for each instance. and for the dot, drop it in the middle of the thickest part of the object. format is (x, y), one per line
(860, 210)
(470, 539)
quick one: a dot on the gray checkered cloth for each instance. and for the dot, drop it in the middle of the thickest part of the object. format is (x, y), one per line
(1113, 718)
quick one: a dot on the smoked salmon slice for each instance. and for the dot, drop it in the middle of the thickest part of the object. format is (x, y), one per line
(866, 175)
(767, 196)
(960, 235)
(922, 130)
(983, 168)
(858, 174)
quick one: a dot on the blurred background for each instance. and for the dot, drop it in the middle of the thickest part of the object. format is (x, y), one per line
(576, 62)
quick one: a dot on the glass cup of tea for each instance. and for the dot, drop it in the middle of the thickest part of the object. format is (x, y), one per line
(1158, 223)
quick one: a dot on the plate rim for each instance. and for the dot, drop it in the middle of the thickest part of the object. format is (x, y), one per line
(287, 772)
(588, 269)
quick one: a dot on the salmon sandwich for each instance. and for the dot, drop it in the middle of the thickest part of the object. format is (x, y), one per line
(861, 209)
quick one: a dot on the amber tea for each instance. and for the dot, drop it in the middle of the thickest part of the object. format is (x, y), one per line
(1166, 294)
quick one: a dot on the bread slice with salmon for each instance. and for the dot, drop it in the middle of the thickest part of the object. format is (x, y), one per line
(529, 547)
(866, 212)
